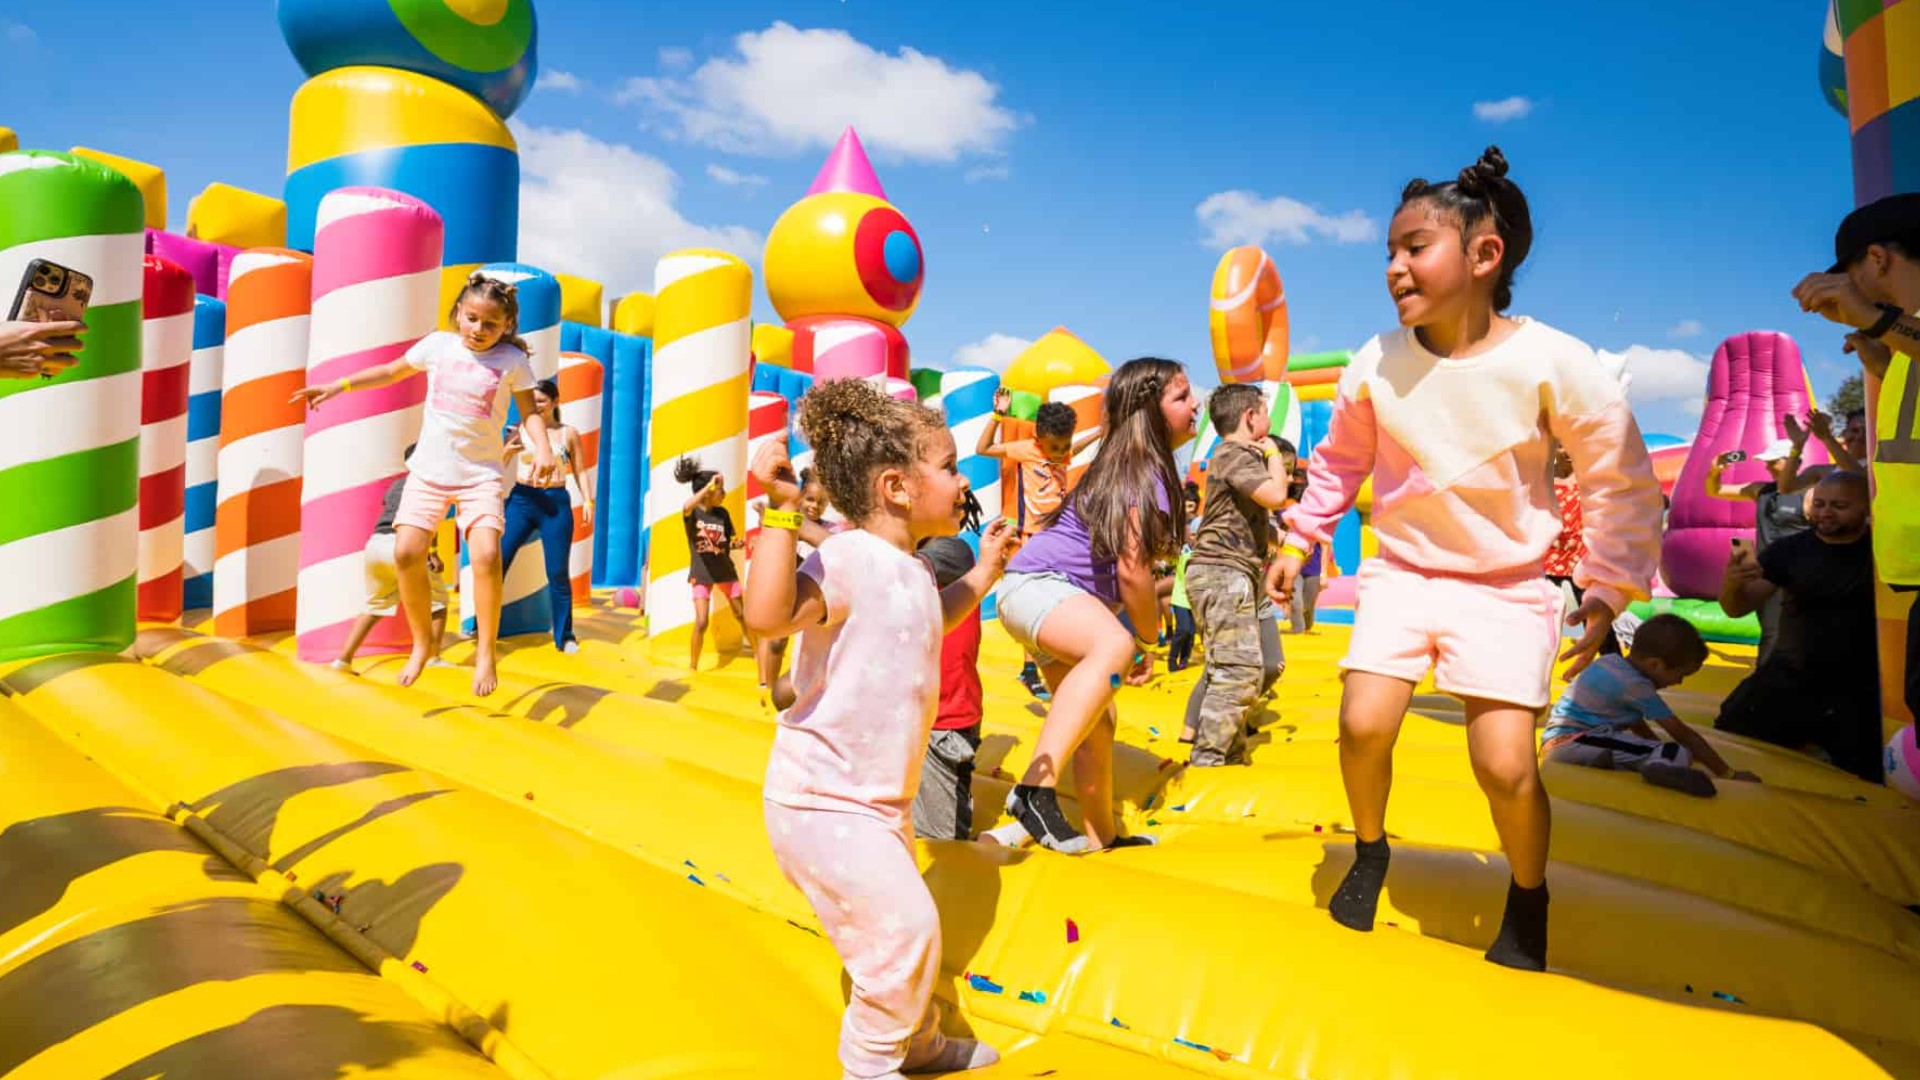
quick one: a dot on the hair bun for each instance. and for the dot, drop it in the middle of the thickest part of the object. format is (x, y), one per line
(1481, 176)
(477, 277)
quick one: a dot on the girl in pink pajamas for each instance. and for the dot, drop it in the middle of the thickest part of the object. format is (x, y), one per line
(1455, 416)
(866, 678)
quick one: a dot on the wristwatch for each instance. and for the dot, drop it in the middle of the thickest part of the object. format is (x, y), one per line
(1889, 314)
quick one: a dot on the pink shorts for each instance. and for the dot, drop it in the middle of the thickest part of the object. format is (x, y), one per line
(1490, 640)
(729, 589)
(423, 504)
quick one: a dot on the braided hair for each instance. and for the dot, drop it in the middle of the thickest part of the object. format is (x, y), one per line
(1482, 192)
(1133, 468)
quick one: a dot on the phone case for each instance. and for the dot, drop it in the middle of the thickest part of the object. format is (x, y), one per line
(50, 292)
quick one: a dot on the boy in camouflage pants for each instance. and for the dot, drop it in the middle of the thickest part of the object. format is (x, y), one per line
(1246, 481)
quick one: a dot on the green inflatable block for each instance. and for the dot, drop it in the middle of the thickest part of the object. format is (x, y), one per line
(1025, 406)
(1314, 361)
(1706, 616)
(926, 381)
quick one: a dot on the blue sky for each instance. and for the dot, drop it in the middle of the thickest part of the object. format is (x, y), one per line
(1054, 157)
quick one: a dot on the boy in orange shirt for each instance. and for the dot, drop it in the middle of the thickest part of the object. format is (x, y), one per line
(1043, 462)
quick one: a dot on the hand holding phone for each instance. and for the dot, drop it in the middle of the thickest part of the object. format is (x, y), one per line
(45, 320)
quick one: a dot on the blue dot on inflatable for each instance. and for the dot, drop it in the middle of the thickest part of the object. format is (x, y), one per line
(902, 255)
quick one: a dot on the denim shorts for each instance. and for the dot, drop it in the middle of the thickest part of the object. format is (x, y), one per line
(1025, 601)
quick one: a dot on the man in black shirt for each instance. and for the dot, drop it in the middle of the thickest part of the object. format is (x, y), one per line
(1831, 698)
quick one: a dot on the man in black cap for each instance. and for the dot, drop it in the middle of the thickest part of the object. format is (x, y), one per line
(1874, 287)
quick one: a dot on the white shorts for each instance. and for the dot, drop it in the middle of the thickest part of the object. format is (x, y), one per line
(383, 578)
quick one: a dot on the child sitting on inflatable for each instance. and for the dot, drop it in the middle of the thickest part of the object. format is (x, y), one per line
(1454, 416)
(1043, 475)
(1602, 719)
(1247, 479)
(460, 457)
(846, 758)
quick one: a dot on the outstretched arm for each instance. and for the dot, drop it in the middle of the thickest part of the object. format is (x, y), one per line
(365, 379)
(1718, 490)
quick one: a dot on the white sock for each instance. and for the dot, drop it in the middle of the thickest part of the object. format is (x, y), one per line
(1010, 834)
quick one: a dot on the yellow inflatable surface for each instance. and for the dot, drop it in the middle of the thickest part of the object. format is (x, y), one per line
(292, 868)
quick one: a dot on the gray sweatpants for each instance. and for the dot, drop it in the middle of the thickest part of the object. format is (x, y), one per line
(943, 807)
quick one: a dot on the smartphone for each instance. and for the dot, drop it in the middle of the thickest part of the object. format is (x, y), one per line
(1739, 544)
(1732, 456)
(50, 292)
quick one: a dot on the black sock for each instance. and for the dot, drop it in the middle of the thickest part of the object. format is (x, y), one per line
(1354, 902)
(1522, 942)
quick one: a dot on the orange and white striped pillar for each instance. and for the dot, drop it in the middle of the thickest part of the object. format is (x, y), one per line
(256, 525)
(582, 385)
(1085, 402)
(166, 354)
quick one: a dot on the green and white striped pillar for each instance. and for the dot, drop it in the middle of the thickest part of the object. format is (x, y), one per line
(69, 447)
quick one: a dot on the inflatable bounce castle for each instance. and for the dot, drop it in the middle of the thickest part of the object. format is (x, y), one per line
(222, 858)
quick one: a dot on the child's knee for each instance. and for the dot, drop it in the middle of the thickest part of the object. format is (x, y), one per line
(1508, 775)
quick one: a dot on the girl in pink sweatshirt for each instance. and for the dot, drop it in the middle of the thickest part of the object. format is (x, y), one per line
(1454, 415)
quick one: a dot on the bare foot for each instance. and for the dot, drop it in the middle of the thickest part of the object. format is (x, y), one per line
(484, 679)
(415, 662)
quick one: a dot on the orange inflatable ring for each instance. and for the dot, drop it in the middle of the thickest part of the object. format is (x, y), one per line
(1248, 317)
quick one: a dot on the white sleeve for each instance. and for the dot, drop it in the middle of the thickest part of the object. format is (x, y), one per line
(420, 356)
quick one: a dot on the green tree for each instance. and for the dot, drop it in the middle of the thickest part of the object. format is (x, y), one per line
(1848, 396)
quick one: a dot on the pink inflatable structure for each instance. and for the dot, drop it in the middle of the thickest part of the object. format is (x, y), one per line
(1756, 381)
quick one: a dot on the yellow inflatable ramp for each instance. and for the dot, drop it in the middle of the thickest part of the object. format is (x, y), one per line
(129, 950)
(1204, 977)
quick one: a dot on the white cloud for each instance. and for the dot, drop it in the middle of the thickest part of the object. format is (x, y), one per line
(565, 82)
(1243, 217)
(994, 351)
(1687, 328)
(605, 211)
(18, 33)
(1670, 377)
(720, 174)
(997, 171)
(675, 58)
(786, 90)
(1499, 112)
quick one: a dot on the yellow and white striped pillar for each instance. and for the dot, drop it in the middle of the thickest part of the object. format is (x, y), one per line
(702, 348)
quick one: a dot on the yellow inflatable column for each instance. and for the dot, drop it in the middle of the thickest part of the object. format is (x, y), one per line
(702, 342)
(150, 179)
(223, 214)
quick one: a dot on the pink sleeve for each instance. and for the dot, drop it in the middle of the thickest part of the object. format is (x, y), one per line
(824, 568)
(1340, 464)
(1619, 502)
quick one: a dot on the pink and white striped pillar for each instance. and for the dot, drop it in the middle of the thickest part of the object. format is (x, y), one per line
(582, 382)
(166, 351)
(376, 288)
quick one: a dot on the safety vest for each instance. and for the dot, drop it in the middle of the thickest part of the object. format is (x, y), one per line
(1896, 475)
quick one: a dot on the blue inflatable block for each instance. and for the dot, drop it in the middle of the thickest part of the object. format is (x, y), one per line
(537, 291)
(475, 189)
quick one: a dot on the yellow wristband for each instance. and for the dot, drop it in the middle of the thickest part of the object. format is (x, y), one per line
(1268, 452)
(782, 519)
(1291, 548)
(346, 386)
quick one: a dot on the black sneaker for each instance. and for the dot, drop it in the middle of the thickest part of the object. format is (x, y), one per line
(1037, 809)
(1137, 840)
(1030, 678)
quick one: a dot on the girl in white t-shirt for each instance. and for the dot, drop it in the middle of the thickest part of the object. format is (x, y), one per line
(846, 757)
(460, 456)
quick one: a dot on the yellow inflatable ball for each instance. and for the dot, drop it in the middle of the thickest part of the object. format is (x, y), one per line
(844, 253)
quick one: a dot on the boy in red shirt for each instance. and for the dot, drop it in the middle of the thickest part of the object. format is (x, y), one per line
(943, 807)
